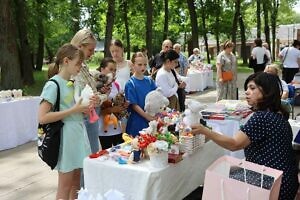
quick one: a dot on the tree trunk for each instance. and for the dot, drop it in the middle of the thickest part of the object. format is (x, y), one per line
(258, 10)
(149, 22)
(125, 9)
(50, 53)
(217, 32)
(166, 23)
(243, 40)
(204, 30)
(110, 18)
(75, 15)
(41, 37)
(235, 22)
(194, 24)
(24, 49)
(274, 12)
(266, 20)
(9, 62)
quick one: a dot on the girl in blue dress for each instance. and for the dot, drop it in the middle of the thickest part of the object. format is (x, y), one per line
(74, 145)
(267, 136)
(136, 90)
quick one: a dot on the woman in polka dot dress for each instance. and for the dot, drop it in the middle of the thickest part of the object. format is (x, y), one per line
(267, 136)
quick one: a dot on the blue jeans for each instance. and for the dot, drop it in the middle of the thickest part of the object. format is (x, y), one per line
(92, 132)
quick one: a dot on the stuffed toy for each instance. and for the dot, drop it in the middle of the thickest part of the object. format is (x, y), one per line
(192, 113)
(119, 100)
(102, 79)
(110, 119)
(86, 94)
(155, 102)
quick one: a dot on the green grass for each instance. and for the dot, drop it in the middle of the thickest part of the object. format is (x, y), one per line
(40, 78)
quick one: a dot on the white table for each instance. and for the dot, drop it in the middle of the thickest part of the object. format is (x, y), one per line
(228, 128)
(199, 80)
(18, 121)
(142, 182)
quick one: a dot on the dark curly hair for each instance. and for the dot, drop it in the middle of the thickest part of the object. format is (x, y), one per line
(271, 89)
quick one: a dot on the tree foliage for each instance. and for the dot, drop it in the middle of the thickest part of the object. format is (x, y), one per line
(51, 23)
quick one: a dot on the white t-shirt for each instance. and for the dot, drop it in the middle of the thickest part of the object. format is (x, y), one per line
(285, 87)
(166, 81)
(292, 56)
(258, 53)
(123, 75)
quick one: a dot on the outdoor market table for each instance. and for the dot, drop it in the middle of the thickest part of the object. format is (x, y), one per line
(142, 182)
(18, 121)
(199, 80)
(228, 126)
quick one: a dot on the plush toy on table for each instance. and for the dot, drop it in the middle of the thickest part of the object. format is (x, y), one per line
(155, 102)
(86, 94)
(192, 114)
(136, 154)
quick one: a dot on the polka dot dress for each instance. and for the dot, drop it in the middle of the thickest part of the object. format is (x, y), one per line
(271, 145)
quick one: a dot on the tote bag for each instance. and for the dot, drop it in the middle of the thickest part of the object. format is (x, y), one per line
(229, 178)
(49, 137)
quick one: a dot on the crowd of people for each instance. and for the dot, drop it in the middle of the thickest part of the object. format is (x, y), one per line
(137, 77)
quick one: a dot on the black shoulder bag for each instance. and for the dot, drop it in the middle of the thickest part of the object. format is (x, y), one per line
(180, 92)
(49, 137)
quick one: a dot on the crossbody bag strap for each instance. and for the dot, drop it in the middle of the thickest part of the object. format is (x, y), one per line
(285, 55)
(175, 76)
(56, 106)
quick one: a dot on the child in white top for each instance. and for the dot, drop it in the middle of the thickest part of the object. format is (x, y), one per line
(112, 136)
(166, 80)
(123, 69)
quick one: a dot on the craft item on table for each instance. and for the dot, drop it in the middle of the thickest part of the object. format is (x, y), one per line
(158, 153)
(155, 102)
(192, 114)
(168, 137)
(174, 149)
(127, 138)
(120, 100)
(84, 194)
(174, 158)
(218, 116)
(113, 194)
(86, 94)
(98, 154)
(189, 144)
(136, 153)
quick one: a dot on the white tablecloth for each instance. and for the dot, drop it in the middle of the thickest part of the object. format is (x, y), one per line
(18, 121)
(295, 127)
(229, 128)
(199, 80)
(143, 182)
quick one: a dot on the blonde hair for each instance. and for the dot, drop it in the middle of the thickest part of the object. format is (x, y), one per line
(228, 44)
(275, 67)
(83, 37)
(66, 51)
(137, 55)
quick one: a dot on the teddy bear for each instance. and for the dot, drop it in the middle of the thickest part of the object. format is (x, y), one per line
(120, 100)
(155, 102)
(192, 114)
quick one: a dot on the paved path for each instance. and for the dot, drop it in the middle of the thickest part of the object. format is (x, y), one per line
(24, 176)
